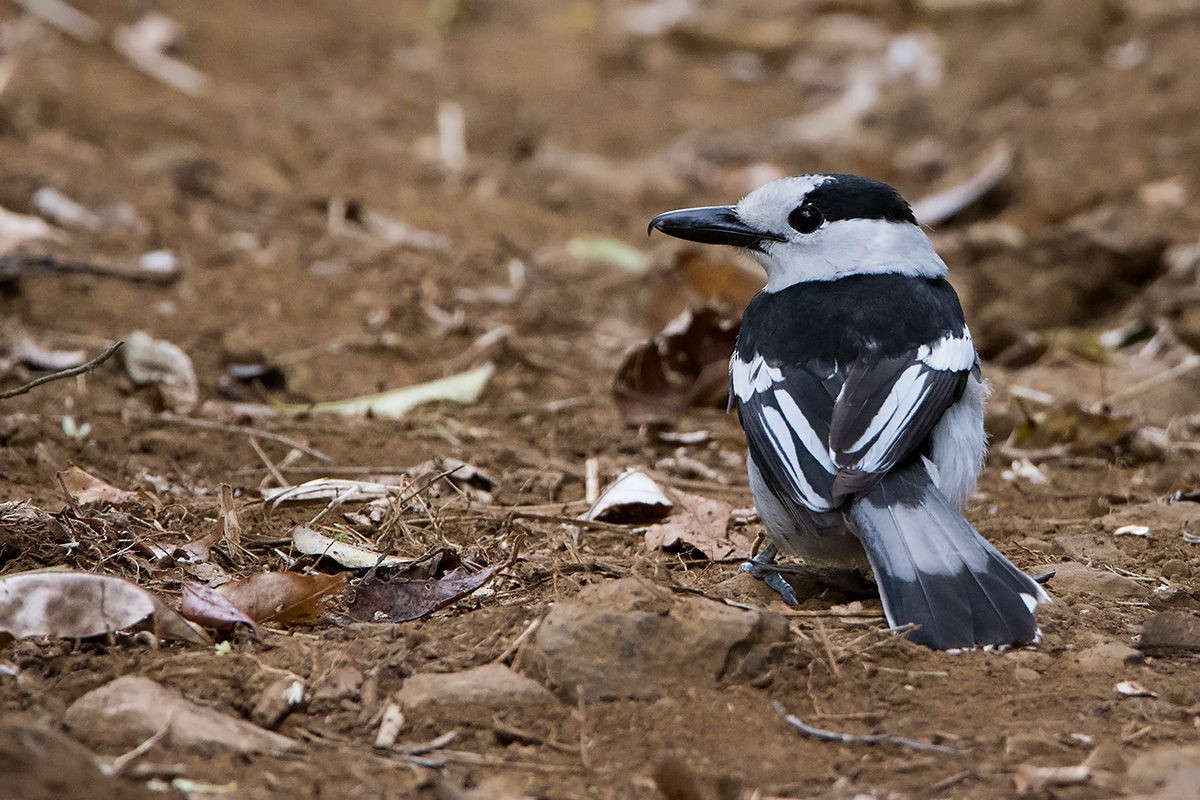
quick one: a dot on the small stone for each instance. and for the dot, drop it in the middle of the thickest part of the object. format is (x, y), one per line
(474, 694)
(1091, 548)
(1071, 579)
(1022, 746)
(1166, 773)
(1025, 675)
(1107, 657)
(277, 701)
(1175, 569)
(129, 710)
(627, 639)
(1171, 631)
(1037, 545)
(343, 683)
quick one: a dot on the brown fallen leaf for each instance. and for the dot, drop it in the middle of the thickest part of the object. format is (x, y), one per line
(684, 366)
(701, 523)
(74, 605)
(695, 278)
(87, 489)
(1066, 423)
(405, 600)
(283, 597)
(212, 609)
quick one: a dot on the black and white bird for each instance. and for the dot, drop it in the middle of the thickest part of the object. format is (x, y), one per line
(859, 389)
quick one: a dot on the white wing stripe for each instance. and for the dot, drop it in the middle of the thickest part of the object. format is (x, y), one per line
(749, 378)
(950, 353)
(803, 429)
(897, 410)
(785, 446)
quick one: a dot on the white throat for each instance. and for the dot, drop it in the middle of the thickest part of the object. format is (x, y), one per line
(851, 247)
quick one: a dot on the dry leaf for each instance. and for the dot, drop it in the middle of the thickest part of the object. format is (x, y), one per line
(75, 605)
(210, 608)
(701, 523)
(87, 489)
(283, 597)
(695, 278)
(323, 490)
(401, 600)
(19, 229)
(229, 527)
(1070, 424)
(684, 366)
(633, 497)
(465, 387)
(311, 543)
(153, 361)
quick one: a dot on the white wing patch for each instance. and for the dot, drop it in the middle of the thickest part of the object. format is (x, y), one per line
(749, 378)
(950, 353)
(784, 445)
(804, 430)
(903, 401)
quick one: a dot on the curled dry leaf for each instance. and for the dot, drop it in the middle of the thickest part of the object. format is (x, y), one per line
(323, 490)
(311, 543)
(19, 229)
(684, 366)
(283, 597)
(465, 387)
(1132, 530)
(632, 498)
(153, 361)
(230, 527)
(1133, 689)
(701, 523)
(32, 354)
(210, 608)
(87, 489)
(75, 605)
(402, 600)
(950, 202)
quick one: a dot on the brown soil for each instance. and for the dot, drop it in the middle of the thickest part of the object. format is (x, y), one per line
(318, 102)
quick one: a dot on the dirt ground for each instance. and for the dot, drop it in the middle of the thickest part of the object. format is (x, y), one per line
(584, 119)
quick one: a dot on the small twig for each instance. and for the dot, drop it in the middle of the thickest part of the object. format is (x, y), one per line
(240, 430)
(66, 373)
(1189, 364)
(833, 662)
(510, 652)
(946, 783)
(591, 470)
(125, 759)
(270, 465)
(527, 737)
(67, 494)
(850, 738)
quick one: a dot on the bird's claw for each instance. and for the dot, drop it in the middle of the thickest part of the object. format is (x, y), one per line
(762, 566)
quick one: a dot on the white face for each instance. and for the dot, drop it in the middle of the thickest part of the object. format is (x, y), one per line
(834, 249)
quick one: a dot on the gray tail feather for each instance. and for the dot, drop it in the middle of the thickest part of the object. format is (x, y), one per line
(935, 570)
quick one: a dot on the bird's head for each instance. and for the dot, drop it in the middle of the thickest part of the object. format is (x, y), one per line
(815, 228)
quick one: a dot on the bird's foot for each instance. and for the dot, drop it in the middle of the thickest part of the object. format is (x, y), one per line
(762, 566)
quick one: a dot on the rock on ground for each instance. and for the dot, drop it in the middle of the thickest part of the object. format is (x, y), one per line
(1169, 772)
(628, 638)
(38, 762)
(1171, 631)
(125, 712)
(1071, 578)
(473, 695)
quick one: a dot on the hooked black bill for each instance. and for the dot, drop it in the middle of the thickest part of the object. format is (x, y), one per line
(711, 225)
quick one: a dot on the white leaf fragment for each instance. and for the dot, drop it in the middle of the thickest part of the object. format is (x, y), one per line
(465, 387)
(632, 497)
(1133, 689)
(311, 543)
(1132, 530)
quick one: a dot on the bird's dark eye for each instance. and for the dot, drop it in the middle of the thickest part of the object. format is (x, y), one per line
(806, 218)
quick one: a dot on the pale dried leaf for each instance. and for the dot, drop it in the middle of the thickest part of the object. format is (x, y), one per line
(87, 489)
(311, 543)
(74, 605)
(465, 387)
(633, 497)
(153, 361)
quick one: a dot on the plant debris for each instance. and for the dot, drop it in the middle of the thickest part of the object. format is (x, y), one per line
(75, 605)
(684, 366)
(632, 498)
(465, 388)
(283, 597)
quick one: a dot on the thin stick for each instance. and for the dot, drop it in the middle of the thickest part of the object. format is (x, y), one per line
(1189, 364)
(64, 17)
(271, 468)
(125, 759)
(591, 469)
(850, 738)
(241, 430)
(66, 373)
(585, 757)
(511, 651)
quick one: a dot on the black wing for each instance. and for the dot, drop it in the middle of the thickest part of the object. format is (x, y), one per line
(818, 436)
